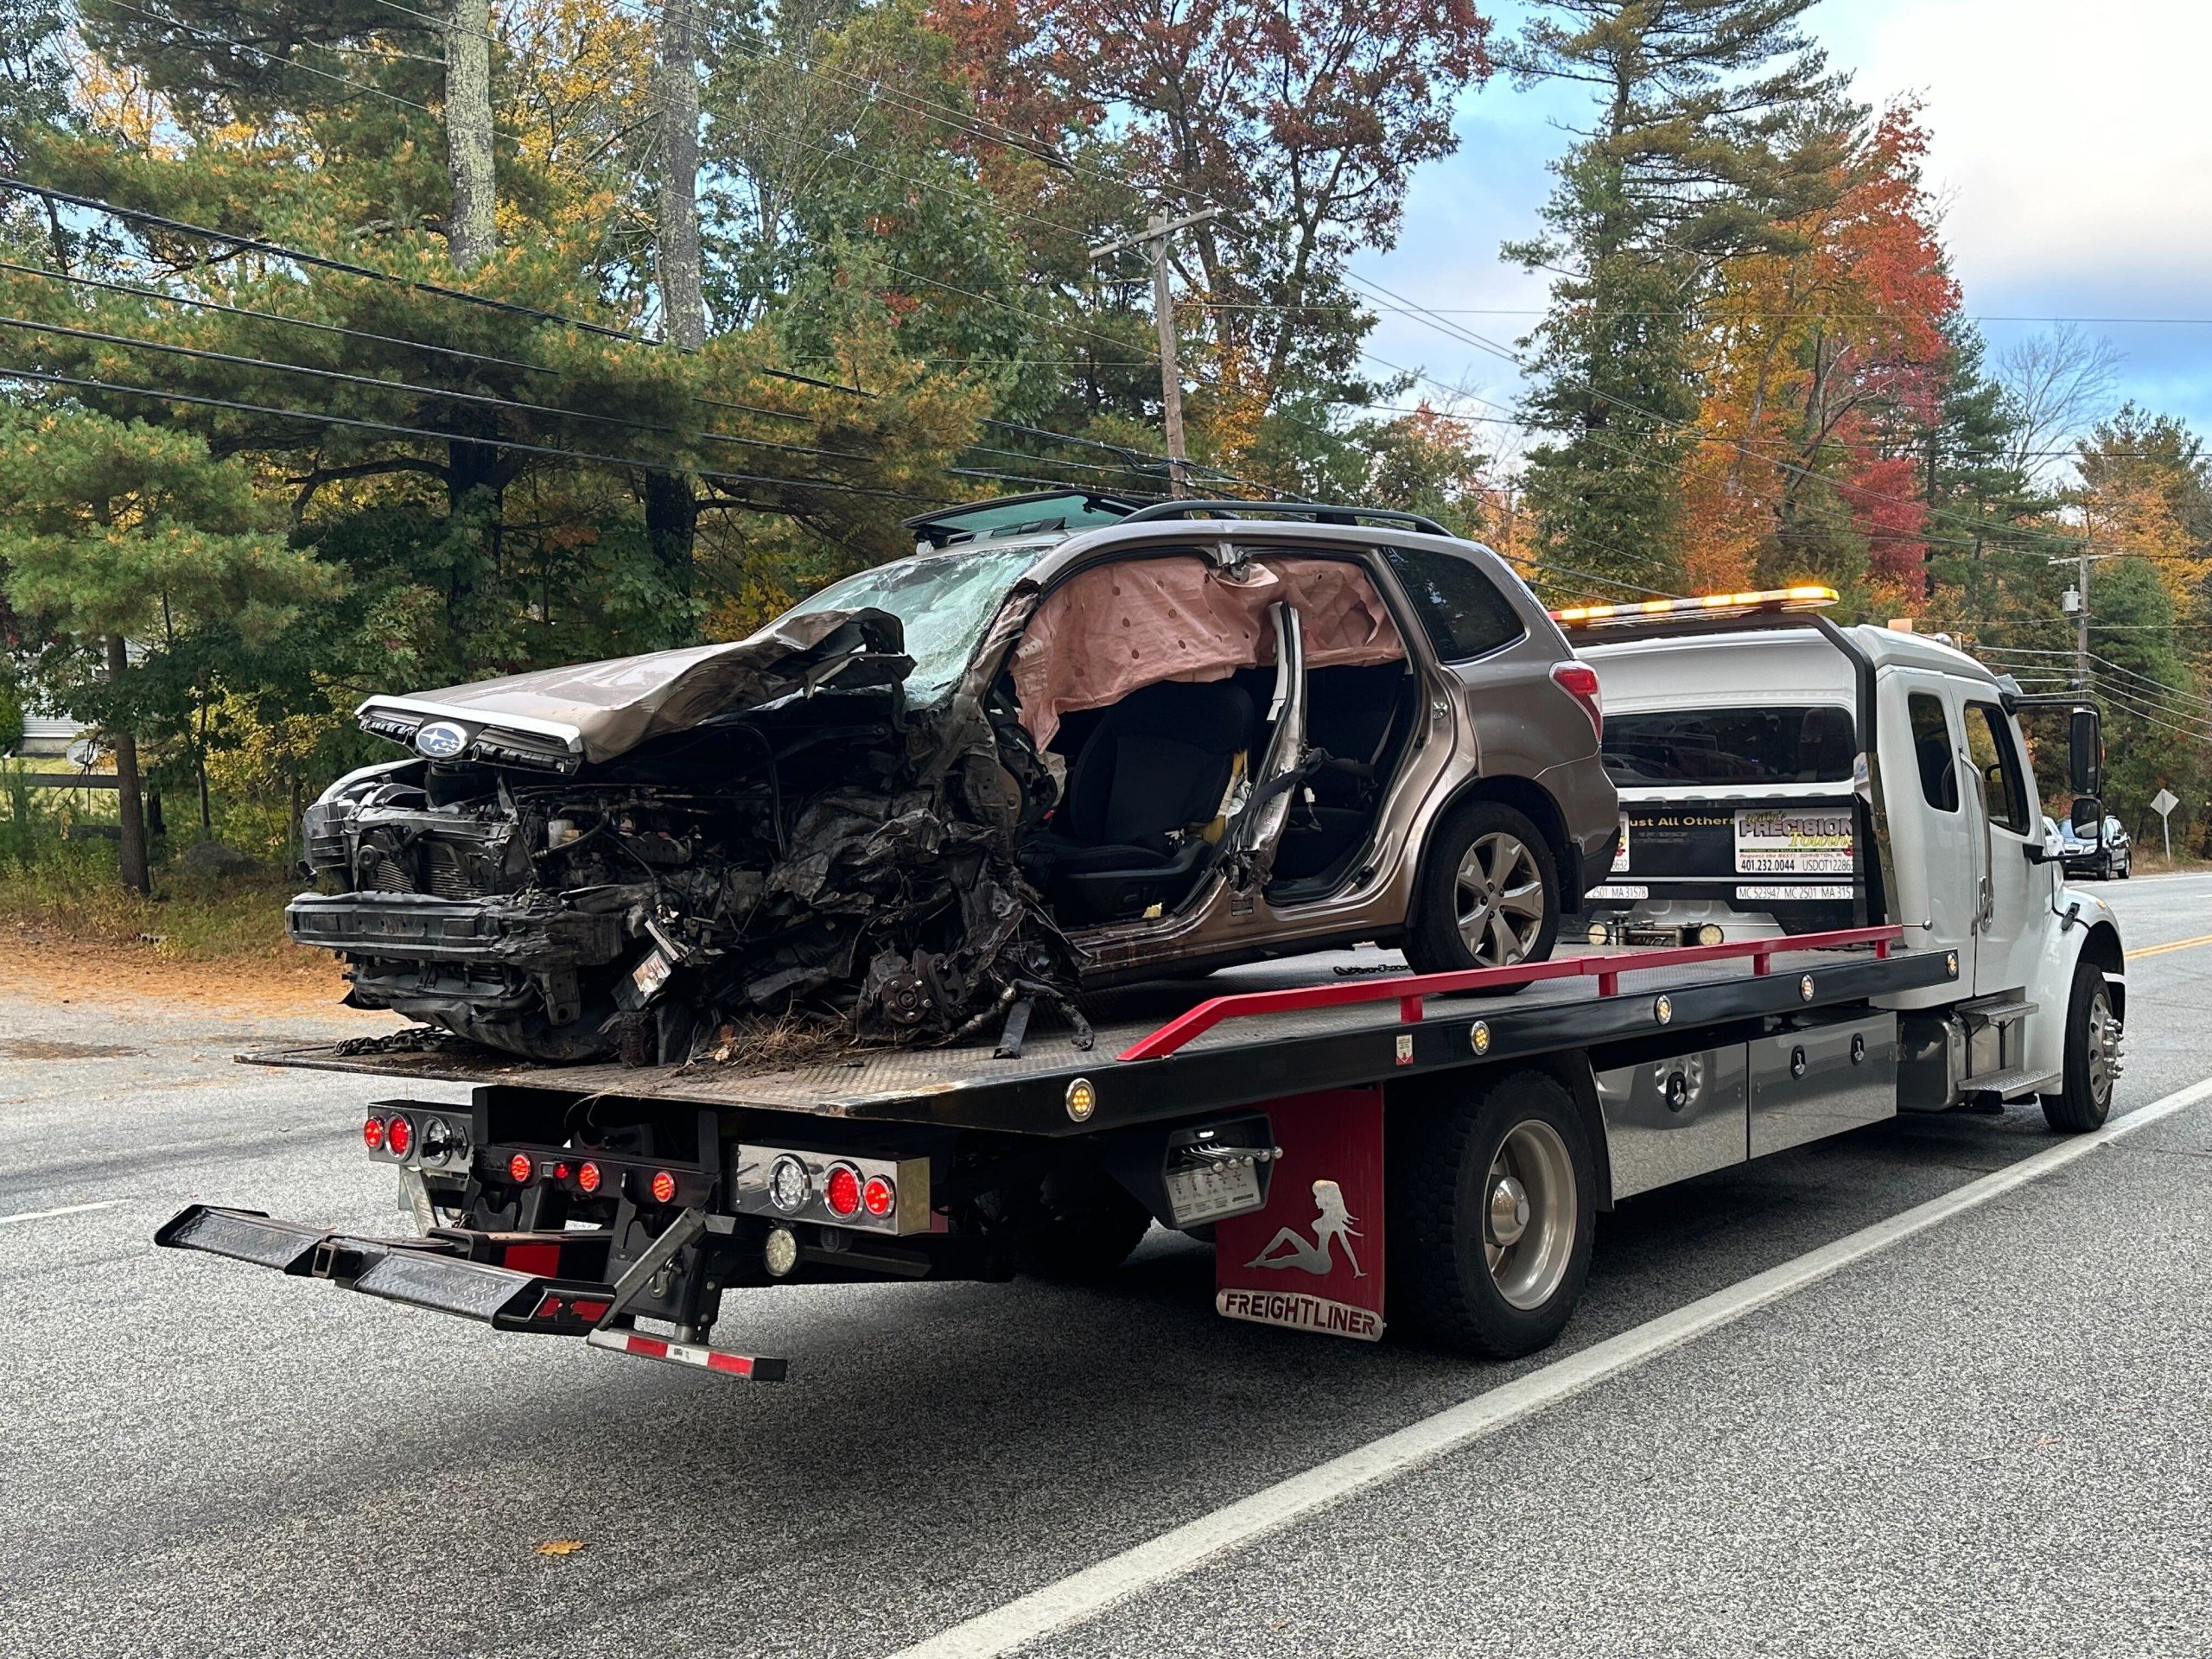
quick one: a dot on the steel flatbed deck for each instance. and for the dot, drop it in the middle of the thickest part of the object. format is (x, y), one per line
(1240, 1036)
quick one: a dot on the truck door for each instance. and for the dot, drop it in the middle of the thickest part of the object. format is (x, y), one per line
(1938, 869)
(2011, 887)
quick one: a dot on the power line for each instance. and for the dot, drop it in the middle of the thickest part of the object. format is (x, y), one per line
(349, 267)
(316, 418)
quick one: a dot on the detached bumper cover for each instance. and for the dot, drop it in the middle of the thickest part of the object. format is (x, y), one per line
(534, 933)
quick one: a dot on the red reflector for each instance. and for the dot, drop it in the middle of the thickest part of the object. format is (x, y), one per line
(587, 1178)
(585, 1307)
(373, 1134)
(1579, 681)
(664, 1187)
(542, 1259)
(879, 1197)
(840, 1191)
(519, 1168)
(399, 1134)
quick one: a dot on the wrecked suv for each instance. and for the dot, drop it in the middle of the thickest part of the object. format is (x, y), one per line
(1069, 740)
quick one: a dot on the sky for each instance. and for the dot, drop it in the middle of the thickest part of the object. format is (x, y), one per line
(2072, 157)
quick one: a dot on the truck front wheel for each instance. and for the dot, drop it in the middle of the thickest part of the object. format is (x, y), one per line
(1493, 1209)
(2091, 1055)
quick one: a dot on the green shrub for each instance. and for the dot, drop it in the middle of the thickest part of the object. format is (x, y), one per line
(11, 718)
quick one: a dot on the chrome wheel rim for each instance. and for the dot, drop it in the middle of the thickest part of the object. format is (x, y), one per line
(1528, 1214)
(2104, 1046)
(1499, 899)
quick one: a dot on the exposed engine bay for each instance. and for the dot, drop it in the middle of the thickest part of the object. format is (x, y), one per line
(636, 858)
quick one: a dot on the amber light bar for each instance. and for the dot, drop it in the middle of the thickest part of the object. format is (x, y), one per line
(1807, 597)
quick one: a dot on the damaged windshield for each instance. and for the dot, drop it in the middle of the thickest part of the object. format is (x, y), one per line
(945, 603)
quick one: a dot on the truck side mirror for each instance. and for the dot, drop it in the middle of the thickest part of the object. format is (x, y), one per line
(2085, 755)
(2088, 816)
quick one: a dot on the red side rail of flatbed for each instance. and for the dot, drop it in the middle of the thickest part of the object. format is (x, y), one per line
(1409, 990)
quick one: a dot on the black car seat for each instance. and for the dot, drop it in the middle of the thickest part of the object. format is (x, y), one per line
(1353, 717)
(1157, 765)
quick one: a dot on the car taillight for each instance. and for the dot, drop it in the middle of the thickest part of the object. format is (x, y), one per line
(587, 1177)
(663, 1186)
(373, 1134)
(840, 1191)
(519, 1168)
(399, 1134)
(879, 1197)
(1579, 681)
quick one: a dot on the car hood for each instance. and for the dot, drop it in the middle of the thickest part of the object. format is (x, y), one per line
(602, 710)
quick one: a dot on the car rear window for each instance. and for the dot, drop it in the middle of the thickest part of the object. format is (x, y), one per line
(1813, 743)
(1461, 610)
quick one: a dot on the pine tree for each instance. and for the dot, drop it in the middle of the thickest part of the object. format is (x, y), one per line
(1686, 166)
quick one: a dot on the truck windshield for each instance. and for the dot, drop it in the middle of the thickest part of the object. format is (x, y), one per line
(944, 602)
(1801, 744)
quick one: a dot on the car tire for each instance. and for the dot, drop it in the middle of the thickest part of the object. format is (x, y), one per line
(2091, 1048)
(1475, 882)
(1451, 1278)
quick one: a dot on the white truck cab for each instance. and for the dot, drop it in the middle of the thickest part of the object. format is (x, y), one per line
(1779, 774)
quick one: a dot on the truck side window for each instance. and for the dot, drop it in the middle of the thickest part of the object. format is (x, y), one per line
(2004, 785)
(1461, 610)
(1931, 747)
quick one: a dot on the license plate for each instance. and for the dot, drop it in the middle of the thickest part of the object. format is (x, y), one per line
(651, 974)
(1209, 1192)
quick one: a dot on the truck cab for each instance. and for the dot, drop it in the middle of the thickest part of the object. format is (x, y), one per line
(1779, 775)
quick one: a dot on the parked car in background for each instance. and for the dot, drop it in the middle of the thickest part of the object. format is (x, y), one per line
(1069, 741)
(2082, 854)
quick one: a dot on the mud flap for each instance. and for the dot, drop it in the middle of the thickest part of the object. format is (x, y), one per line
(1311, 1258)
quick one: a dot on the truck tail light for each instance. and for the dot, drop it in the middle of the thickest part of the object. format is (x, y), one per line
(373, 1134)
(587, 1177)
(663, 1186)
(398, 1136)
(518, 1169)
(841, 1191)
(879, 1197)
(1579, 681)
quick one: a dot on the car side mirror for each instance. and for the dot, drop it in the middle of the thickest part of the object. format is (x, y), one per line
(2085, 756)
(2088, 816)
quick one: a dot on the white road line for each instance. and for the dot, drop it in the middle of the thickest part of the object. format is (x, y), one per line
(1172, 1554)
(66, 1209)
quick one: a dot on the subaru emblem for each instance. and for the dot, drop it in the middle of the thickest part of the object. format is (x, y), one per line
(440, 739)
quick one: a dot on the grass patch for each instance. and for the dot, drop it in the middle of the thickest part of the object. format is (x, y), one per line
(60, 879)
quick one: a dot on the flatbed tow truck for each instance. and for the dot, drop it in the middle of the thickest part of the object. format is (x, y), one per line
(1360, 1146)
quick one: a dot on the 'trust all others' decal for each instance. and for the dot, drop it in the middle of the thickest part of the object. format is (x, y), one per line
(1312, 1259)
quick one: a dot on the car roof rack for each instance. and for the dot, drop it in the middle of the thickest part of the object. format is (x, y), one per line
(1321, 512)
(1030, 513)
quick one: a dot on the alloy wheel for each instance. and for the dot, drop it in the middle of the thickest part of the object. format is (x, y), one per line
(1500, 900)
(2104, 1047)
(1528, 1214)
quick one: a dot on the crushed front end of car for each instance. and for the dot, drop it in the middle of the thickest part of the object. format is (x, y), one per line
(626, 858)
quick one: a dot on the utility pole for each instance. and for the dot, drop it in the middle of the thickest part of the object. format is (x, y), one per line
(2080, 596)
(1158, 230)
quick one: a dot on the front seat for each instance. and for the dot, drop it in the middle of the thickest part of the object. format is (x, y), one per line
(1156, 767)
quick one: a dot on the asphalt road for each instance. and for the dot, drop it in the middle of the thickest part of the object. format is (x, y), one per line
(1988, 1439)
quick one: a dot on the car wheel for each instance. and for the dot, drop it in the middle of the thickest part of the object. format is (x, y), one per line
(2091, 1055)
(1489, 895)
(1493, 1210)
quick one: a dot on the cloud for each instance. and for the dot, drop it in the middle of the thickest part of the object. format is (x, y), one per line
(2070, 143)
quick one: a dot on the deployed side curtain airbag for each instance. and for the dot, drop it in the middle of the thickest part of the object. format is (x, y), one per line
(1117, 628)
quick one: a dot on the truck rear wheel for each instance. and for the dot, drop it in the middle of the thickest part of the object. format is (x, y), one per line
(1493, 1209)
(2092, 1054)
